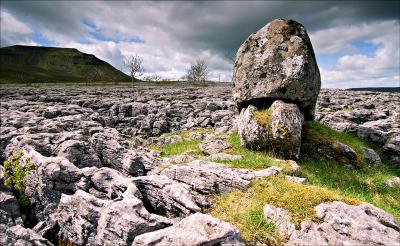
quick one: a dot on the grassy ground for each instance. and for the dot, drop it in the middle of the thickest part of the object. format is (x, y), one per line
(327, 181)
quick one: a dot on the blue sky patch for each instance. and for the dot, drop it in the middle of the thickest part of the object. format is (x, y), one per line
(40, 39)
(366, 47)
(116, 37)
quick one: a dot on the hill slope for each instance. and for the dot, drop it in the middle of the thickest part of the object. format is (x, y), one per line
(22, 64)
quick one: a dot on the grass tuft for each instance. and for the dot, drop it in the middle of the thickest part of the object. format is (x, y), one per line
(263, 117)
(244, 208)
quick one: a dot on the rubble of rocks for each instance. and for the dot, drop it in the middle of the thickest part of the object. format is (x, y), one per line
(92, 164)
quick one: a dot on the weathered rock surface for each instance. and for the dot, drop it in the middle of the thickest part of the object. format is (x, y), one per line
(281, 218)
(372, 157)
(281, 133)
(393, 182)
(214, 146)
(214, 178)
(87, 220)
(91, 140)
(18, 235)
(393, 147)
(197, 229)
(168, 197)
(277, 62)
(348, 225)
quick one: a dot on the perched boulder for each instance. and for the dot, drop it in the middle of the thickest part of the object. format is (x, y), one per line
(345, 224)
(277, 129)
(195, 230)
(277, 62)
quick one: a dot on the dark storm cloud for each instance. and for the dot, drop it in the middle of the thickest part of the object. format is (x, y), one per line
(220, 26)
(223, 26)
(58, 17)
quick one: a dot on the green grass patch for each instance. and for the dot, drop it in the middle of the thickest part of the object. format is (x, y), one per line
(365, 185)
(178, 148)
(327, 181)
(316, 135)
(254, 160)
(244, 208)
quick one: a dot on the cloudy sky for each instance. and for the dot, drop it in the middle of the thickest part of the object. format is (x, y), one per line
(357, 44)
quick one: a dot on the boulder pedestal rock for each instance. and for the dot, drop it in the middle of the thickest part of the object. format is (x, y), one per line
(277, 62)
(277, 129)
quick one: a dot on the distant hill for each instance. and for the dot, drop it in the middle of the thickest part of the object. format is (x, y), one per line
(380, 89)
(23, 64)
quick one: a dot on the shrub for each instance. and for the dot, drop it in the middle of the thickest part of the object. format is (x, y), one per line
(15, 172)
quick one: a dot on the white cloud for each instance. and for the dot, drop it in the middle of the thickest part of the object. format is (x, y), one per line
(340, 38)
(360, 70)
(14, 31)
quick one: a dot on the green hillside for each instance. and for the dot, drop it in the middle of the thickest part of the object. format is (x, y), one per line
(29, 64)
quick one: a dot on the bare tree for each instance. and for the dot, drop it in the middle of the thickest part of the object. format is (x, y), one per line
(134, 63)
(197, 72)
(153, 77)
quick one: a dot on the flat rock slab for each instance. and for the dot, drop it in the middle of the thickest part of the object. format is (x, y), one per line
(214, 178)
(345, 224)
(195, 230)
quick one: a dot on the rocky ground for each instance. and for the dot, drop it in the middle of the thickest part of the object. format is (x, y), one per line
(97, 182)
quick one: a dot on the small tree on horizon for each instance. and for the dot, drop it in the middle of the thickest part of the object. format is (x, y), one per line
(197, 72)
(134, 63)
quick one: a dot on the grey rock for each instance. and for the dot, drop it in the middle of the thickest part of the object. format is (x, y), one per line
(87, 220)
(80, 153)
(199, 135)
(214, 146)
(296, 179)
(213, 178)
(392, 146)
(277, 62)
(281, 134)
(109, 146)
(168, 197)
(372, 157)
(162, 141)
(393, 182)
(224, 157)
(281, 218)
(347, 224)
(20, 236)
(197, 229)
(51, 177)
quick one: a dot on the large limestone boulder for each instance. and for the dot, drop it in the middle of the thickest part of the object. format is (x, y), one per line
(277, 62)
(277, 129)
